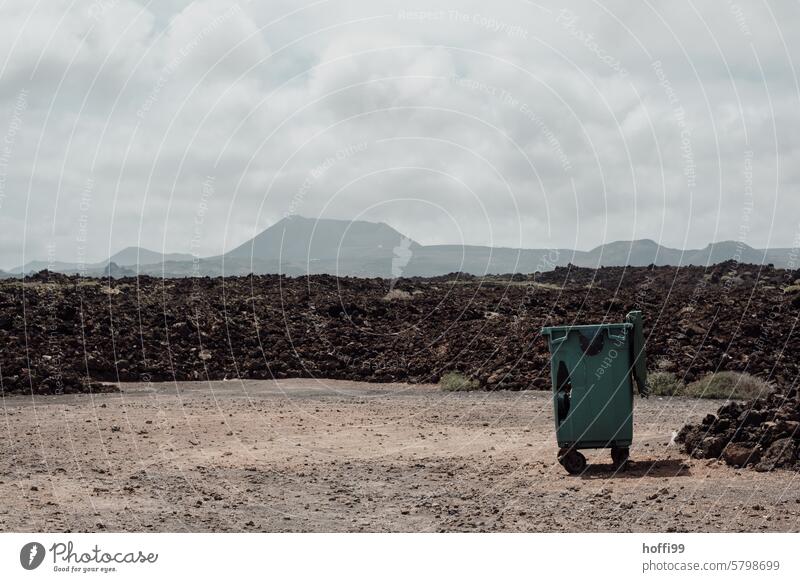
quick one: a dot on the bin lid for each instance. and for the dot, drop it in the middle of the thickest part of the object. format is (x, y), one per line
(586, 328)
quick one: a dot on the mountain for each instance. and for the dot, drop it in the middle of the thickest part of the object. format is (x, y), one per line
(116, 271)
(645, 252)
(132, 256)
(36, 266)
(127, 257)
(298, 246)
(436, 260)
(300, 239)
(637, 253)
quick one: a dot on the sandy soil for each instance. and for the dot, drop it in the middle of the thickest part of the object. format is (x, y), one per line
(305, 455)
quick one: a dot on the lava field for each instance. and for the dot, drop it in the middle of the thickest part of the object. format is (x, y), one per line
(61, 334)
(762, 433)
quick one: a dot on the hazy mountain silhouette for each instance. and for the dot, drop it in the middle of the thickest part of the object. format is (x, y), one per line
(305, 239)
(132, 256)
(127, 257)
(299, 246)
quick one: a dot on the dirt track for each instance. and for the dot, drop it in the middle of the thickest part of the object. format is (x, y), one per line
(305, 455)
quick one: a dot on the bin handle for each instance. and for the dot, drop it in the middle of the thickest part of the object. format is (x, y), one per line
(616, 338)
(554, 341)
(622, 337)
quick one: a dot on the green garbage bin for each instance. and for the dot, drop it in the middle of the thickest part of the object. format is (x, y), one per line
(593, 370)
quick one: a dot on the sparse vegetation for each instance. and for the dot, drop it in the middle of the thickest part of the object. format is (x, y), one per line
(457, 382)
(730, 385)
(490, 281)
(722, 385)
(397, 295)
(664, 384)
(551, 286)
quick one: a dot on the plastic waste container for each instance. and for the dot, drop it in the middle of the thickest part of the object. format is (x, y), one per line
(593, 369)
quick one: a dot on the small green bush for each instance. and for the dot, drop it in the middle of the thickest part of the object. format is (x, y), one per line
(457, 382)
(664, 384)
(729, 385)
(722, 385)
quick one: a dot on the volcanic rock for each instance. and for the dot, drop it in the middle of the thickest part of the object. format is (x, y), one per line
(739, 455)
(762, 433)
(781, 453)
(66, 333)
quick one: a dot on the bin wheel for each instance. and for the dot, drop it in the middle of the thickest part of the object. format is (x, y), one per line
(573, 461)
(620, 456)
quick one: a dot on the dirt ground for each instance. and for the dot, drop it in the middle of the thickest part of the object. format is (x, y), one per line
(311, 455)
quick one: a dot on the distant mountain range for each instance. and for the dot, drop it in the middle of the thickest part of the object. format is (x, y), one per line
(127, 257)
(298, 246)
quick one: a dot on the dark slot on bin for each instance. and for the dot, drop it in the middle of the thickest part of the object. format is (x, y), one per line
(594, 345)
(563, 394)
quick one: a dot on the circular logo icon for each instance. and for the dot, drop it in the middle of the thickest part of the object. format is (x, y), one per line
(31, 555)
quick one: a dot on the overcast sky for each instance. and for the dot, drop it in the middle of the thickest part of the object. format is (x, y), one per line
(188, 126)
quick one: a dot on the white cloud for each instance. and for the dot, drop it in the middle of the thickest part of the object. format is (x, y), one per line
(501, 108)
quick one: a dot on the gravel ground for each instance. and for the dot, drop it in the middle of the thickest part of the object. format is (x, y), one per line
(312, 455)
